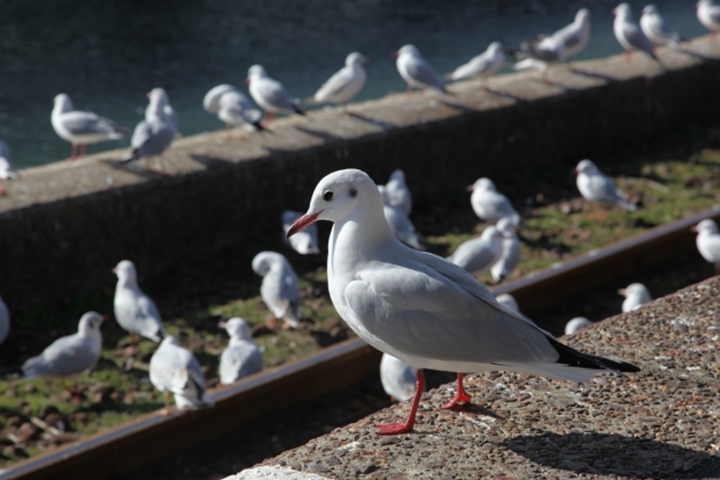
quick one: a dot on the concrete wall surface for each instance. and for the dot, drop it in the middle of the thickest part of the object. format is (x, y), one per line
(63, 226)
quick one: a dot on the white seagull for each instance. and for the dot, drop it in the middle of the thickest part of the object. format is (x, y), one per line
(270, 94)
(69, 355)
(510, 255)
(508, 300)
(398, 193)
(233, 108)
(708, 242)
(708, 12)
(173, 369)
(345, 84)
(4, 321)
(134, 310)
(576, 324)
(482, 66)
(305, 242)
(6, 170)
(81, 128)
(656, 28)
(242, 356)
(399, 222)
(279, 290)
(416, 71)
(541, 55)
(629, 33)
(421, 308)
(489, 204)
(636, 295)
(479, 254)
(397, 377)
(575, 36)
(598, 188)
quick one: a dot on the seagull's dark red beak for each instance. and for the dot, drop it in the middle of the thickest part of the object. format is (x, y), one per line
(694, 228)
(575, 171)
(470, 188)
(396, 54)
(247, 81)
(301, 223)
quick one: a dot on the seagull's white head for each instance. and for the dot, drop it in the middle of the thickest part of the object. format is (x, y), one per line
(159, 96)
(126, 272)
(576, 324)
(90, 322)
(264, 261)
(495, 47)
(583, 15)
(338, 196)
(483, 184)
(62, 103)
(237, 328)
(408, 50)
(586, 167)
(398, 176)
(634, 290)
(255, 72)
(706, 226)
(506, 226)
(650, 9)
(623, 11)
(355, 59)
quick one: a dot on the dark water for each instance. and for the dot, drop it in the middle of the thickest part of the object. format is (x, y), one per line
(107, 55)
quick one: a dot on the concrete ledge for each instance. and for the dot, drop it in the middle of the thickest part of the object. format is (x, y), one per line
(63, 226)
(659, 423)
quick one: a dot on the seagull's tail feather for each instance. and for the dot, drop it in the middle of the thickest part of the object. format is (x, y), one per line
(573, 358)
(297, 110)
(133, 155)
(290, 317)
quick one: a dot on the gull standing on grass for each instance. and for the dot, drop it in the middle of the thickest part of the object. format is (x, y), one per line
(421, 308)
(708, 242)
(478, 254)
(233, 108)
(156, 133)
(135, 312)
(483, 66)
(629, 33)
(636, 295)
(6, 170)
(598, 188)
(173, 369)
(343, 85)
(69, 355)
(510, 255)
(242, 356)
(397, 377)
(270, 94)
(656, 29)
(4, 321)
(81, 128)
(305, 242)
(400, 223)
(416, 71)
(280, 290)
(489, 204)
(576, 324)
(708, 12)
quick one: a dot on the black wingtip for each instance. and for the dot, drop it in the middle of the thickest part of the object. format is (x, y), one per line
(570, 356)
(259, 126)
(297, 110)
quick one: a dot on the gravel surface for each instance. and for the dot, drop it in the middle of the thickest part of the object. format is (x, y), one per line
(659, 423)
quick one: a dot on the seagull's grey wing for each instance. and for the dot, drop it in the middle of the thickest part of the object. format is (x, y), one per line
(275, 94)
(605, 189)
(336, 84)
(508, 259)
(238, 361)
(635, 37)
(87, 123)
(421, 71)
(474, 256)
(65, 356)
(151, 323)
(211, 101)
(161, 135)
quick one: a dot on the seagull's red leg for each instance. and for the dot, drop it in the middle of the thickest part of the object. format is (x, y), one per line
(408, 90)
(269, 117)
(461, 396)
(628, 55)
(2, 190)
(132, 348)
(394, 428)
(74, 152)
(83, 150)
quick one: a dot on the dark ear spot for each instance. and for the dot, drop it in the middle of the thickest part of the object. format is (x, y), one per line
(353, 192)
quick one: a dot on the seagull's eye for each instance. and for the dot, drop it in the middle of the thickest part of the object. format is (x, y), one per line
(328, 195)
(353, 192)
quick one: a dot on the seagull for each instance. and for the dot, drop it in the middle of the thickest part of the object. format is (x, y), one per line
(398, 194)
(479, 254)
(508, 300)
(270, 94)
(708, 12)
(656, 29)
(305, 242)
(510, 251)
(636, 295)
(397, 377)
(399, 222)
(154, 135)
(421, 308)
(134, 310)
(69, 355)
(175, 370)
(575, 36)
(344, 84)
(540, 55)
(629, 34)
(4, 321)
(576, 324)
(6, 170)
(81, 128)
(232, 107)
(598, 188)
(482, 66)
(242, 357)
(708, 242)
(489, 204)
(416, 71)
(279, 289)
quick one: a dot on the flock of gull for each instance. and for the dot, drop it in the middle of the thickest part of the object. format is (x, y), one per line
(421, 310)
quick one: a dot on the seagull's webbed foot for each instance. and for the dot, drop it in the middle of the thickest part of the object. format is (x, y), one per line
(395, 428)
(461, 399)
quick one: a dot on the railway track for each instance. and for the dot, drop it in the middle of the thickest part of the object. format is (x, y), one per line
(154, 436)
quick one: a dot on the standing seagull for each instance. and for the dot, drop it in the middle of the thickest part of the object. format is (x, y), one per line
(708, 242)
(233, 108)
(489, 204)
(575, 36)
(636, 295)
(6, 170)
(510, 251)
(541, 55)
(397, 194)
(345, 84)
(483, 66)
(242, 357)
(399, 222)
(708, 12)
(135, 311)
(69, 355)
(656, 29)
(416, 71)
(397, 377)
(4, 321)
(306, 242)
(421, 308)
(270, 94)
(629, 34)
(279, 290)
(175, 370)
(576, 324)
(81, 128)
(598, 188)
(478, 254)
